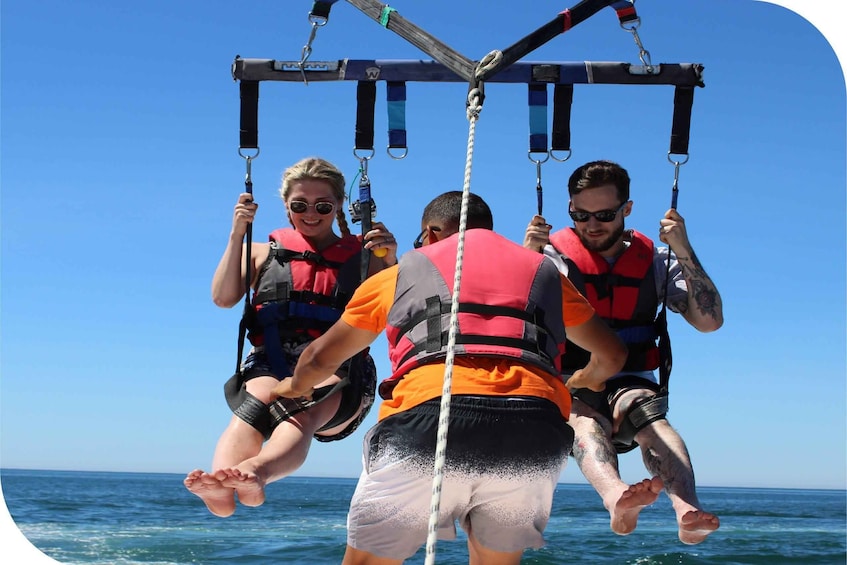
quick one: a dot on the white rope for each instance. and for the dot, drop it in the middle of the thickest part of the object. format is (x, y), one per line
(473, 110)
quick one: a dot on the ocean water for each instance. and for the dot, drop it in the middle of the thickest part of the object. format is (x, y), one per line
(149, 518)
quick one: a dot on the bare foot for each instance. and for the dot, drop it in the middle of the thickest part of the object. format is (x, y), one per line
(220, 500)
(251, 491)
(695, 525)
(624, 514)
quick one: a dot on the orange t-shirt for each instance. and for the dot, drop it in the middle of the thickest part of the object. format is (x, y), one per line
(368, 310)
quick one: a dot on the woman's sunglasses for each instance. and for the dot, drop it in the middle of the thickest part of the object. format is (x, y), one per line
(300, 206)
(602, 215)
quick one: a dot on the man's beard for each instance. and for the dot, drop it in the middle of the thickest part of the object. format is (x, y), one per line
(605, 244)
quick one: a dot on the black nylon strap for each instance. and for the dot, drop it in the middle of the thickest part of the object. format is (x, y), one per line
(562, 103)
(683, 100)
(365, 102)
(249, 129)
(468, 308)
(516, 343)
(320, 9)
(434, 309)
(545, 33)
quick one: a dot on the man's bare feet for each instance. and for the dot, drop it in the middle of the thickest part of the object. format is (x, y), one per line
(251, 491)
(219, 499)
(696, 525)
(624, 514)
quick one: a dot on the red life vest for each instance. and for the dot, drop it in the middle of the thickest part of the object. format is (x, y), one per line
(624, 295)
(301, 291)
(510, 306)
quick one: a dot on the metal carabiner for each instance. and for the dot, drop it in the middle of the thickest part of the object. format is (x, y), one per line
(306, 52)
(676, 166)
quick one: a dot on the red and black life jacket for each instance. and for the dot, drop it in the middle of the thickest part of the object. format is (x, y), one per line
(301, 291)
(510, 305)
(624, 295)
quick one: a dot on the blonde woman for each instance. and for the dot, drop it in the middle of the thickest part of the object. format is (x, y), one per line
(301, 280)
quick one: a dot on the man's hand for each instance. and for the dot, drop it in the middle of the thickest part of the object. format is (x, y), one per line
(537, 234)
(583, 379)
(285, 389)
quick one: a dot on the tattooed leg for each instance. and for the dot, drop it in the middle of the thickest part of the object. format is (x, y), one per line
(598, 461)
(666, 456)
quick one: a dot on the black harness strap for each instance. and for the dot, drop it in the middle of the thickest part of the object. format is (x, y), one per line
(249, 129)
(683, 100)
(560, 24)
(249, 139)
(437, 337)
(321, 8)
(365, 104)
(562, 103)
(643, 413)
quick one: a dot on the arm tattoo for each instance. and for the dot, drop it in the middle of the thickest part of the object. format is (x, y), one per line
(706, 298)
(701, 287)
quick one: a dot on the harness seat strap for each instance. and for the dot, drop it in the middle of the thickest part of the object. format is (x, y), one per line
(641, 415)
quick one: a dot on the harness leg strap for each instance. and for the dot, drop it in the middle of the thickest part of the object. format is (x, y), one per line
(641, 415)
(283, 409)
(246, 406)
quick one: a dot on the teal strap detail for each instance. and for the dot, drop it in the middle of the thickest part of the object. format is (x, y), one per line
(386, 13)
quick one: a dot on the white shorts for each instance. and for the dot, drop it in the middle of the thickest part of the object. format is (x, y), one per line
(504, 458)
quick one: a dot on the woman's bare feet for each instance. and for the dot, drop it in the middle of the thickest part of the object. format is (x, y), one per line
(250, 490)
(624, 514)
(696, 525)
(219, 499)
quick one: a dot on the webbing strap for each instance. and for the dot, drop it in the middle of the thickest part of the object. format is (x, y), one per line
(562, 103)
(537, 98)
(561, 23)
(365, 103)
(249, 128)
(321, 8)
(683, 100)
(625, 10)
(396, 100)
(664, 345)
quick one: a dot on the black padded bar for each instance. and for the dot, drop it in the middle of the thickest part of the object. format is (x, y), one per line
(427, 43)
(582, 72)
(365, 103)
(683, 100)
(562, 103)
(249, 128)
(560, 24)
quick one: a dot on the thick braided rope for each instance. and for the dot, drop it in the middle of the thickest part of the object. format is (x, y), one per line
(473, 110)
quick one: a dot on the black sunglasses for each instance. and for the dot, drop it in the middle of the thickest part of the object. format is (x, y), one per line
(300, 206)
(602, 215)
(419, 240)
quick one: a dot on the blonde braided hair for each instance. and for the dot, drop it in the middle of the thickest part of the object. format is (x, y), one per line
(315, 168)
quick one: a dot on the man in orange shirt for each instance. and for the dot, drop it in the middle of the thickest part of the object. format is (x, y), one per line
(509, 437)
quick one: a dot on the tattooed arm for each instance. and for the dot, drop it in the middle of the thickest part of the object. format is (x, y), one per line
(704, 309)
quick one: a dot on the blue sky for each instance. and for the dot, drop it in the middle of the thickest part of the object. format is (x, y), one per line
(120, 170)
